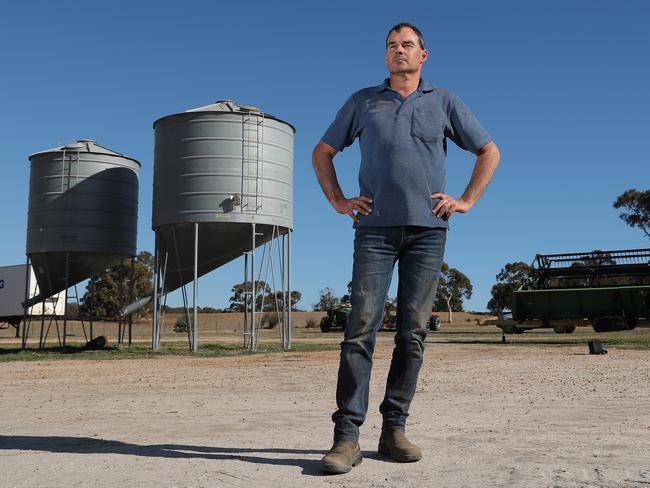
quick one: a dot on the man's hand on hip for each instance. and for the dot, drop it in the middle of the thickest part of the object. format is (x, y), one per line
(448, 205)
(349, 206)
(487, 160)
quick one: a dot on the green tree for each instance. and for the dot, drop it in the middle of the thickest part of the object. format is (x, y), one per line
(272, 299)
(146, 258)
(210, 310)
(636, 206)
(453, 286)
(509, 279)
(102, 296)
(327, 300)
(241, 290)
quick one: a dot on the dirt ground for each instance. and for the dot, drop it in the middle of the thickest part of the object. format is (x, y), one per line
(485, 414)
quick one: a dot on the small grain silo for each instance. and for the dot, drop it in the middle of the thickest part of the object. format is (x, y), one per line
(223, 186)
(83, 212)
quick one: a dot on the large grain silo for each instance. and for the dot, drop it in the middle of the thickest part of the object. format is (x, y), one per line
(83, 212)
(223, 186)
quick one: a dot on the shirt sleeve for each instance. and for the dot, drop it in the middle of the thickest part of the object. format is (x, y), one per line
(464, 128)
(345, 128)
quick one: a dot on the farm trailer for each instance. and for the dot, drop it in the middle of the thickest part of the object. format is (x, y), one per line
(609, 290)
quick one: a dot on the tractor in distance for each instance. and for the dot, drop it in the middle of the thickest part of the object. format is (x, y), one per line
(336, 318)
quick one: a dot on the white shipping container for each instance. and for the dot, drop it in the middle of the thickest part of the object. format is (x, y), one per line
(12, 294)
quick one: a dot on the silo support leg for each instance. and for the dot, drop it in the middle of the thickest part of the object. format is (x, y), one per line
(131, 287)
(245, 296)
(65, 303)
(156, 297)
(288, 334)
(25, 309)
(195, 288)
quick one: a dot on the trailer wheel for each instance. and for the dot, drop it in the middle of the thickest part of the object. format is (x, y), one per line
(570, 329)
(325, 324)
(609, 324)
(560, 329)
(519, 330)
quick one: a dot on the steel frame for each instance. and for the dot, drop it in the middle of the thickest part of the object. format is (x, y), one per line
(62, 337)
(273, 258)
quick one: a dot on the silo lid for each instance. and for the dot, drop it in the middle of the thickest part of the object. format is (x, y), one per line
(227, 106)
(84, 146)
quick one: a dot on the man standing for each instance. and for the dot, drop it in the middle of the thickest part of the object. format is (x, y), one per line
(401, 215)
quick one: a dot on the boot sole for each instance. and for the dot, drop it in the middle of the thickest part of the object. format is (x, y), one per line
(383, 449)
(331, 468)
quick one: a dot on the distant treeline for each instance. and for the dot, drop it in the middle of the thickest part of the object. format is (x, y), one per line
(168, 309)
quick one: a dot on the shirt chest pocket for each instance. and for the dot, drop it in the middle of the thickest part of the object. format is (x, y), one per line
(428, 125)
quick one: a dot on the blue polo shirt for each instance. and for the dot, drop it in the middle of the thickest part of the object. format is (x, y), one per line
(403, 145)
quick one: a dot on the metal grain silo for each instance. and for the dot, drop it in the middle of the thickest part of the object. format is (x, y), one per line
(83, 212)
(223, 172)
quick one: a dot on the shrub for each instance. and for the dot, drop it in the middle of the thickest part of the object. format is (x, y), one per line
(182, 324)
(269, 320)
(311, 323)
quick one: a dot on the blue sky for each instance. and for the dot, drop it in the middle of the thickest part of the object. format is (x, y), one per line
(561, 86)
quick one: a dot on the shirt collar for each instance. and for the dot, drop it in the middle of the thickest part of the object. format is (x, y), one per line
(423, 88)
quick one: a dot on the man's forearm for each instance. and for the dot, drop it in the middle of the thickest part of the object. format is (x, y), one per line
(324, 167)
(486, 163)
(323, 163)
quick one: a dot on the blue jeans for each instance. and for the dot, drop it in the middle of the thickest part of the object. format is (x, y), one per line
(420, 251)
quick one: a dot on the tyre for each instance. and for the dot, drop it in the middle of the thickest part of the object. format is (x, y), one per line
(631, 323)
(434, 323)
(609, 324)
(570, 329)
(559, 329)
(325, 324)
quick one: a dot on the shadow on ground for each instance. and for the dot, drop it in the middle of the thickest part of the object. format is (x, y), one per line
(89, 445)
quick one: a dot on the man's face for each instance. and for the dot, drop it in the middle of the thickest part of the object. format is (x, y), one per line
(403, 52)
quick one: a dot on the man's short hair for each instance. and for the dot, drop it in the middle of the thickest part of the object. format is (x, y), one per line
(400, 26)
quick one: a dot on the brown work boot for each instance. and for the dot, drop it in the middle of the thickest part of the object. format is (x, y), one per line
(398, 447)
(341, 458)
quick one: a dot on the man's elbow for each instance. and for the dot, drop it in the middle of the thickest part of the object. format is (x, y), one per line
(321, 152)
(490, 152)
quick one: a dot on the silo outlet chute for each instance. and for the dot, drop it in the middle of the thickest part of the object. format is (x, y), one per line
(223, 186)
(83, 212)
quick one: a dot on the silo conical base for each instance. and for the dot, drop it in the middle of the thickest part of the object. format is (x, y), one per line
(219, 243)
